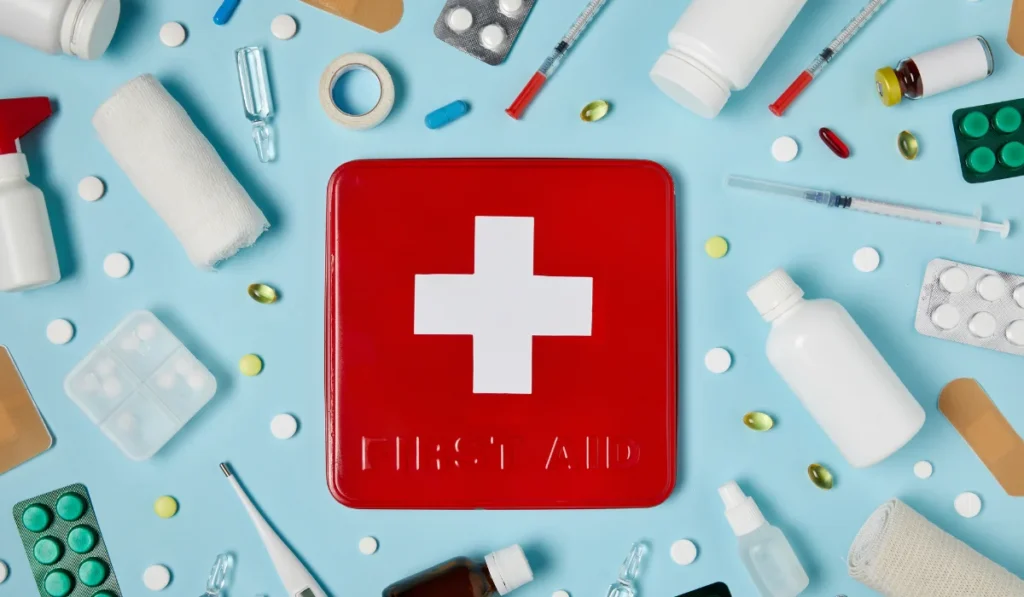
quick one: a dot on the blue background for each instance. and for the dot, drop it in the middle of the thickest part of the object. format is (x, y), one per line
(579, 551)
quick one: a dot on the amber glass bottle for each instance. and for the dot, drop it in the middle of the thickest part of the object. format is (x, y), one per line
(501, 573)
(935, 71)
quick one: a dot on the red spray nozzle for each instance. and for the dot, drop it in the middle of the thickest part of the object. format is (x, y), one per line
(19, 116)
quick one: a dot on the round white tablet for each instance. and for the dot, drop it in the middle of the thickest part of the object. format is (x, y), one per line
(117, 265)
(953, 280)
(992, 288)
(684, 552)
(718, 360)
(866, 259)
(492, 36)
(156, 577)
(60, 331)
(283, 426)
(3, 571)
(1015, 332)
(982, 325)
(91, 188)
(368, 546)
(1018, 295)
(172, 34)
(784, 149)
(510, 7)
(560, 593)
(967, 504)
(923, 469)
(946, 317)
(284, 27)
(460, 19)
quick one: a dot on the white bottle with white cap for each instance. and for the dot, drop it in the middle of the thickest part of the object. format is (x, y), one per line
(80, 28)
(718, 46)
(765, 551)
(835, 370)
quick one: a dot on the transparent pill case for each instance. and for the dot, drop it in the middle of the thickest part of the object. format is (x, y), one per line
(484, 29)
(140, 385)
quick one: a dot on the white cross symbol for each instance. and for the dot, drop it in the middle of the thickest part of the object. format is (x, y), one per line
(503, 305)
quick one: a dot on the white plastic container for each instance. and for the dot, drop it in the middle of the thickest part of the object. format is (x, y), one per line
(717, 47)
(835, 370)
(80, 28)
(765, 551)
(28, 258)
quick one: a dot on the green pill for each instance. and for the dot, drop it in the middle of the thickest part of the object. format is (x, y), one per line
(1007, 119)
(81, 539)
(47, 551)
(982, 160)
(104, 594)
(974, 125)
(70, 506)
(1012, 154)
(92, 572)
(37, 518)
(58, 583)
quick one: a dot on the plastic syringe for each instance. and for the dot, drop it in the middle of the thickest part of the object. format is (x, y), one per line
(547, 68)
(882, 208)
(821, 60)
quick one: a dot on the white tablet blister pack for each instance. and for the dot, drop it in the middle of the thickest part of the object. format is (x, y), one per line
(972, 305)
(484, 29)
(140, 385)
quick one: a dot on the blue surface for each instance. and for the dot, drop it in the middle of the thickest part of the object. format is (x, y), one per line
(577, 551)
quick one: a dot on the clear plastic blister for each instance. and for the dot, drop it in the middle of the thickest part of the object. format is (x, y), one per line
(484, 29)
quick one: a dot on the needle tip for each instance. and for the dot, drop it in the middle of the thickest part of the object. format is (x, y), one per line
(224, 469)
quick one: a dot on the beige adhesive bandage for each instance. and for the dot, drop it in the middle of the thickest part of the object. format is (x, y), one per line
(23, 434)
(1015, 36)
(378, 15)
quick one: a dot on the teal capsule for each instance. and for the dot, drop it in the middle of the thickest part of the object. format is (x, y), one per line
(447, 114)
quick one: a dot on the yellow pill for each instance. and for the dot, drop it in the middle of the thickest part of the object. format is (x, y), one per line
(250, 365)
(165, 506)
(716, 247)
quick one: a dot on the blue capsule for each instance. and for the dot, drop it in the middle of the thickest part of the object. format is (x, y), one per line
(447, 114)
(225, 11)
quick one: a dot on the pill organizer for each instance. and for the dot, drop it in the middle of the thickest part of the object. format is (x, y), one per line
(990, 141)
(484, 29)
(140, 385)
(972, 305)
(64, 546)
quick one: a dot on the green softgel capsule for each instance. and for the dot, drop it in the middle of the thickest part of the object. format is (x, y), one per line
(37, 518)
(92, 572)
(70, 506)
(758, 421)
(1007, 119)
(974, 125)
(47, 551)
(820, 476)
(58, 583)
(982, 160)
(81, 539)
(1011, 155)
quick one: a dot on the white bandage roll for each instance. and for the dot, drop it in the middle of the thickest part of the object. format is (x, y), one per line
(174, 167)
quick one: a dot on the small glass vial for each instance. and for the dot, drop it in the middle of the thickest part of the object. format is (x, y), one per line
(935, 71)
(501, 573)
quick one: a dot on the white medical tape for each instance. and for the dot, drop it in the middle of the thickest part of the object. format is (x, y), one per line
(343, 64)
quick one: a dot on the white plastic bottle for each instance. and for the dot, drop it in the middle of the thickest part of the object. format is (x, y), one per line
(717, 47)
(765, 551)
(835, 370)
(80, 28)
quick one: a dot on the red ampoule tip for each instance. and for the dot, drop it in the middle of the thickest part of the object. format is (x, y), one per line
(526, 96)
(791, 93)
(837, 145)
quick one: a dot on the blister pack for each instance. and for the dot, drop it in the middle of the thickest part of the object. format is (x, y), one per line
(484, 29)
(972, 305)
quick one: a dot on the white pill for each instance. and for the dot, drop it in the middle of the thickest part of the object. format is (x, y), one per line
(196, 381)
(283, 426)
(368, 546)
(866, 259)
(1015, 333)
(284, 27)
(954, 280)
(967, 504)
(172, 34)
(510, 7)
(982, 325)
(492, 36)
(129, 343)
(3, 571)
(145, 331)
(992, 288)
(684, 552)
(89, 384)
(117, 265)
(784, 149)
(60, 331)
(91, 188)
(1018, 295)
(112, 387)
(460, 19)
(718, 360)
(156, 577)
(946, 317)
(923, 469)
(560, 593)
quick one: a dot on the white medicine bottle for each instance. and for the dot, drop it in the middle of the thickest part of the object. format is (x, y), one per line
(82, 28)
(717, 47)
(836, 372)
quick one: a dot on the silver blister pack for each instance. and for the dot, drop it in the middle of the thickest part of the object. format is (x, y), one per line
(972, 305)
(484, 29)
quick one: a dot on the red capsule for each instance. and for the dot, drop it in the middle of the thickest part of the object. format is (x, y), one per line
(837, 145)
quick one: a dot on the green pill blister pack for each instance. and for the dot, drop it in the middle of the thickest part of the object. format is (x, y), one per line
(990, 141)
(63, 543)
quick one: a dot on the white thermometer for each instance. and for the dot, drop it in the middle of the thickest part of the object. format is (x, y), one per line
(294, 576)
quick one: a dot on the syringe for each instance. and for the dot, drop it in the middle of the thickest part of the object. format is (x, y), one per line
(547, 68)
(882, 208)
(821, 60)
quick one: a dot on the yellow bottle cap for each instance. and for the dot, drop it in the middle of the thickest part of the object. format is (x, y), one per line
(888, 86)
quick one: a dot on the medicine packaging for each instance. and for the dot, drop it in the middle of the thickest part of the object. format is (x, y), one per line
(484, 29)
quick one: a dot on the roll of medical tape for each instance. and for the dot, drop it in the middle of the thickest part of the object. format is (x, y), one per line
(343, 64)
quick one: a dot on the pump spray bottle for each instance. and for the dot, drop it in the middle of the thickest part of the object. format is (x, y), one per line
(28, 258)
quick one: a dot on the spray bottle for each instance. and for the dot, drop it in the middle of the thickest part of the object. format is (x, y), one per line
(28, 258)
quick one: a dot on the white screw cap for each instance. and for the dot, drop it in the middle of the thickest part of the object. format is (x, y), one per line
(775, 293)
(509, 569)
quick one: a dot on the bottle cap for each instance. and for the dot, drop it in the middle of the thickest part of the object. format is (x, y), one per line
(774, 294)
(690, 85)
(89, 27)
(742, 513)
(509, 569)
(888, 85)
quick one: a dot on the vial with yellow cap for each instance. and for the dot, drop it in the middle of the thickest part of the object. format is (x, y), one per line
(935, 71)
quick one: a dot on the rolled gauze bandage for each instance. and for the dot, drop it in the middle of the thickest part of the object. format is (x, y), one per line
(174, 167)
(899, 553)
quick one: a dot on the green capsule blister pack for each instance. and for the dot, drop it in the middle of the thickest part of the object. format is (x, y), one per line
(990, 141)
(64, 546)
